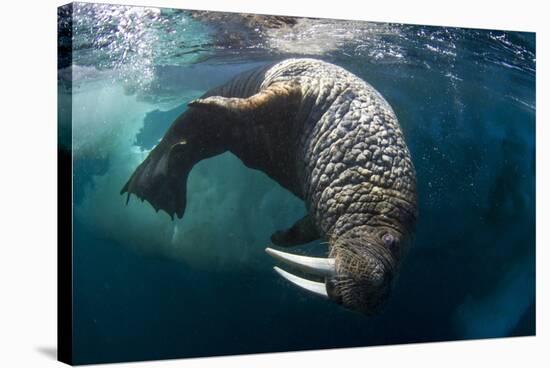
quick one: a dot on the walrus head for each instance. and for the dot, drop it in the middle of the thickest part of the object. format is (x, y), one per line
(358, 272)
(365, 267)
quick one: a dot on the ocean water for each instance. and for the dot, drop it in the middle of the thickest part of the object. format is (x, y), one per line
(147, 287)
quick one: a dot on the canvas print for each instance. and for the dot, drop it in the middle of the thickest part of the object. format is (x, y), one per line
(241, 183)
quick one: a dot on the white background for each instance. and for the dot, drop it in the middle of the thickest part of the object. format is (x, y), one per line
(28, 182)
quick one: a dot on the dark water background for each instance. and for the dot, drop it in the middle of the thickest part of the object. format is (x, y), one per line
(146, 287)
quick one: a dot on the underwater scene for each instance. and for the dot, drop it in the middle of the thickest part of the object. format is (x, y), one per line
(148, 285)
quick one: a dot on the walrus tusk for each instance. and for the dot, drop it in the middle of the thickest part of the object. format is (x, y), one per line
(317, 288)
(313, 265)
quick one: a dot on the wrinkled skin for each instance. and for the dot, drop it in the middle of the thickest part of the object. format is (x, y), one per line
(325, 135)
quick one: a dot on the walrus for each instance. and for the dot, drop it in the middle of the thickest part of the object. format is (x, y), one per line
(330, 139)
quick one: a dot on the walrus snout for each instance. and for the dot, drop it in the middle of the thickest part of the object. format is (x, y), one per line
(357, 274)
(363, 296)
(362, 285)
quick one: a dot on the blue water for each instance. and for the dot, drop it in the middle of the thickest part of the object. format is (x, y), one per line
(146, 287)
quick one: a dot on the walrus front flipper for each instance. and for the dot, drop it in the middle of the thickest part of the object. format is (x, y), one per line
(303, 231)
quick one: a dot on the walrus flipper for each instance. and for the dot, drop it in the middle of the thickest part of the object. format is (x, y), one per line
(212, 125)
(162, 179)
(271, 104)
(258, 128)
(303, 231)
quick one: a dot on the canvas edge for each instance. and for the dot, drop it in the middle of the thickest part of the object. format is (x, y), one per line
(64, 190)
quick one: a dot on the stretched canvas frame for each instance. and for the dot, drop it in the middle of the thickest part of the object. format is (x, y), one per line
(472, 159)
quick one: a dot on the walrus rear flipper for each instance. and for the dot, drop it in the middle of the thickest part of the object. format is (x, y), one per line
(275, 103)
(162, 179)
(251, 128)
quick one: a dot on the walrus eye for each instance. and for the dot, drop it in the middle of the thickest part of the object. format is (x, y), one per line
(388, 240)
(391, 243)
